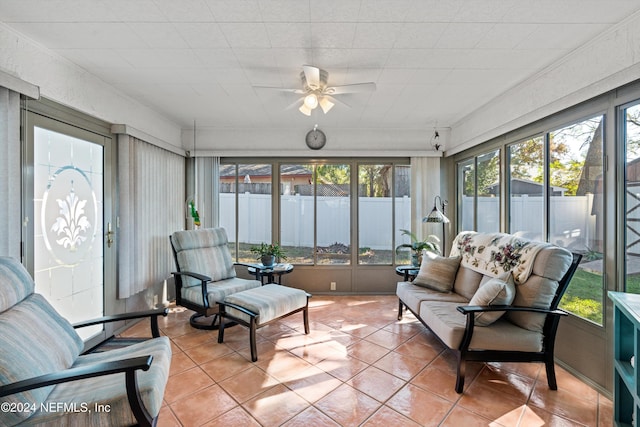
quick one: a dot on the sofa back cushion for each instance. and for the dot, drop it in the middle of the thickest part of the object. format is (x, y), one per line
(34, 340)
(436, 272)
(496, 291)
(467, 282)
(203, 251)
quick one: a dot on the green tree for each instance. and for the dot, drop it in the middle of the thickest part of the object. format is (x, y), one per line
(375, 179)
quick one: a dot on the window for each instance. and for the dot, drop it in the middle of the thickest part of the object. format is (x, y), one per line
(479, 189)
(554, 197)
(526, 188)
(575, 210)
(375, 225)
(333, 212)
(631, 138)
(245, 200)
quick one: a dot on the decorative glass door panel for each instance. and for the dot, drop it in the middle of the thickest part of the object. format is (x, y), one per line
(68, 225)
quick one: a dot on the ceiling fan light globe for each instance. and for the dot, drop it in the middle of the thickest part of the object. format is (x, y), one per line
(326, 105)
(304, 109)
(311, 101)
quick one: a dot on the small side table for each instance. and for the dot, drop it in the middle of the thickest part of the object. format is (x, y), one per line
(409, 272)
(278, 270)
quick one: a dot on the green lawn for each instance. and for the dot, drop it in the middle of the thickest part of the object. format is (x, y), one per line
(585, 294)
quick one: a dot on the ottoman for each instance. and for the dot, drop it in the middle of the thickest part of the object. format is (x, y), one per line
(260, 306)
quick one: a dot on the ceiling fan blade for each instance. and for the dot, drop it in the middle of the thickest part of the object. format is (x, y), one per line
(353, 88)
(312, 74)
(281, 89)
(294, 104)
(336, 101)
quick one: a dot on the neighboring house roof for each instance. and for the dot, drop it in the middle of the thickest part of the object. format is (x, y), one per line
(525, 186)
(262, 170)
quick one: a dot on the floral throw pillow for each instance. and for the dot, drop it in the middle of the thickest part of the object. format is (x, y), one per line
(436, 272)
(497, 291)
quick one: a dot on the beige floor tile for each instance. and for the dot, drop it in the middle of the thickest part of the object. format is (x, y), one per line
(205, 405)
(347, 406)
(275, 406)
(387, 417)
(313, 383)
(376, 383)
(423, 407)
(235, 417)
(401, 366)
(311, 417)
(247, 384)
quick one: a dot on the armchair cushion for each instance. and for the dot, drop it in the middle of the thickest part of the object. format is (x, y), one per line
(496, 291)
(16, 284)
(436, 272)
(203, 251)
(217, 291)
(34, 340)
(108, 389)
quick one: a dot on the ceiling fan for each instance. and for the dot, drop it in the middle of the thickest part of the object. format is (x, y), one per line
(316, 91)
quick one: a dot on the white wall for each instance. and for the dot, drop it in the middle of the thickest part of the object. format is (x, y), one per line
(605, 63)
(70, 85)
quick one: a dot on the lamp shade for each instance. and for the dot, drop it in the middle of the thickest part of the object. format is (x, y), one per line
(436, 215)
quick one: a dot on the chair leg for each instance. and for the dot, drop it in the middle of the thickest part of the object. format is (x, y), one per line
(399, 309)
(462, 365)
(252, 340)
(551, 374)
(221, 331)
(305, 316)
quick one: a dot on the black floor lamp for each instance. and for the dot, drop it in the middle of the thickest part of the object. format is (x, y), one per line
(437, 215)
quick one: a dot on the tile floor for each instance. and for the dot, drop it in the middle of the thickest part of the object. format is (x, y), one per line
(358, 366)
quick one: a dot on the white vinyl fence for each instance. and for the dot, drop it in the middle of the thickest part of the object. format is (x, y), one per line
(572, 220)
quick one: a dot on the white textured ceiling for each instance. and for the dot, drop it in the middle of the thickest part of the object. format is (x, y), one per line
(434, 61)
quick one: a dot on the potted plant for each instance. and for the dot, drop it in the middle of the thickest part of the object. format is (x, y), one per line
(430, 243)
(268, 253)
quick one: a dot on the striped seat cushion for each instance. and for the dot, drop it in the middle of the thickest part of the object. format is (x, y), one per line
(15, 283)
(110, 389)
(34, 340)
(217, 291)
(268, 302)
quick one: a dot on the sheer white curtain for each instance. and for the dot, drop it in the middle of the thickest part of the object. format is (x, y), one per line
(10, 197)
(425, 186)
(151, 207)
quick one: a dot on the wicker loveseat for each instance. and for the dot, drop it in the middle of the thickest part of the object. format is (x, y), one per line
(494, 299)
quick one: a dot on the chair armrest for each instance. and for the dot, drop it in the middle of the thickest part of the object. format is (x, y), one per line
(468, 309)
(198, 276)
(79, 373)
(152, 314)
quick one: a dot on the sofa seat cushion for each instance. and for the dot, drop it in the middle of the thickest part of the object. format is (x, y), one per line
(497, 291)
(218, 291)
(108, 389)
(412, 295)
(449, 324)
(436, 272)
(34, 340)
